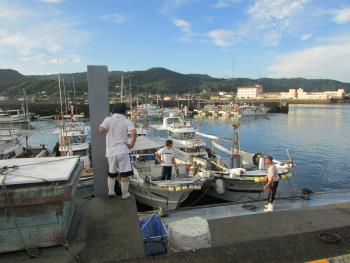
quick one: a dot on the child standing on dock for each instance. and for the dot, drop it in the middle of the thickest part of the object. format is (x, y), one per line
(117, 127)
(272, 182)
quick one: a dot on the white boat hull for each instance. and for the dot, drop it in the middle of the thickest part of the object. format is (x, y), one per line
(19, 119)
(155, 196)
(237, 190)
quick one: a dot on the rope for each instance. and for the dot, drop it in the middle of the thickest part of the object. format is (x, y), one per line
(198, 199)
(30, 164)
(65, 243)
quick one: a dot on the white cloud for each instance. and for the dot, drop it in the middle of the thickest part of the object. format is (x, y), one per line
(222, 37)
(6, 12)
(183, 25)
(267, 22)
(115, 18)
(327, 60)
(51, 1)
(226, 3)
(171, 5)
(341, 16)
(305, 37)
(30, 42)
(281, 10)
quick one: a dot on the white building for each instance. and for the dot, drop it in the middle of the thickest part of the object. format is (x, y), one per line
(249, 92)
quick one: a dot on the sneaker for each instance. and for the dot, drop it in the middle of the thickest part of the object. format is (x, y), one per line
(126, 196)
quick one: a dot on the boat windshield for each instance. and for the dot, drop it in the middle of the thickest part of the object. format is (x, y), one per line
(80, 152)
(12, 112)
(77, 139)
(173, 121)
(184, 135)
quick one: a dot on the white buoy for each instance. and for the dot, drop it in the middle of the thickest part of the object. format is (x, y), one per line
(261, 163)
(188, 234)
(220, 186)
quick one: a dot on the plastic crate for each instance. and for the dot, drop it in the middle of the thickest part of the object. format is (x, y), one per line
(155, 235)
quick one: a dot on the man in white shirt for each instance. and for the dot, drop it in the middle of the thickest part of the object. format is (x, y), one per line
(117, 127)
(272, 179)
(166, 158)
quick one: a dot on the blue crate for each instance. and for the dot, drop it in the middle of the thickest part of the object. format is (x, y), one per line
(155, 235)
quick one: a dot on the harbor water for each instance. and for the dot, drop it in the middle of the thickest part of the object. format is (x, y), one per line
(317, 137)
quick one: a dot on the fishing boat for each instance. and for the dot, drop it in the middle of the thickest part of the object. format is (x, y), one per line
(167, 112)
(146, 185)
(250, 110)
(12, 147)
(184, 136)
(74, 141)
(36, 201)
(15, 116)
(211, 110)
(149, 111)
(241, 180)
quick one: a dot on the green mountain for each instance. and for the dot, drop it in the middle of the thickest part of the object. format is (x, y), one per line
(8, 76)
(154, 81)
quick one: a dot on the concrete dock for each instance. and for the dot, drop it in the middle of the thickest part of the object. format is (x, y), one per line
(106, 230)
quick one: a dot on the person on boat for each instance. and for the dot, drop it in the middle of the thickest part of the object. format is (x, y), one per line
(116, 128)
(272, 179)
(166, 158)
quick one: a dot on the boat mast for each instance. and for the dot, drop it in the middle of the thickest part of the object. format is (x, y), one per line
(236, 147)
(233, 79)
(130, 91)
(61, 108)
(121, 89)
(26, 114)
(75, 98)
(65, 96)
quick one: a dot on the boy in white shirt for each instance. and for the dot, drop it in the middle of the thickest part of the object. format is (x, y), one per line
(166, 158)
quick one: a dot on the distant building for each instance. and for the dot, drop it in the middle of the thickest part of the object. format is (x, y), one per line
(4, 98)
(167, 98)
(249, 92)
(215, 98)
(301, 94)
(271, 95)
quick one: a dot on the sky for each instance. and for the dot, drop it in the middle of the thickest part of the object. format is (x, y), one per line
(222, 38)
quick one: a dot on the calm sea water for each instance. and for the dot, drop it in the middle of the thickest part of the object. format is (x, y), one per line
(317, 137)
